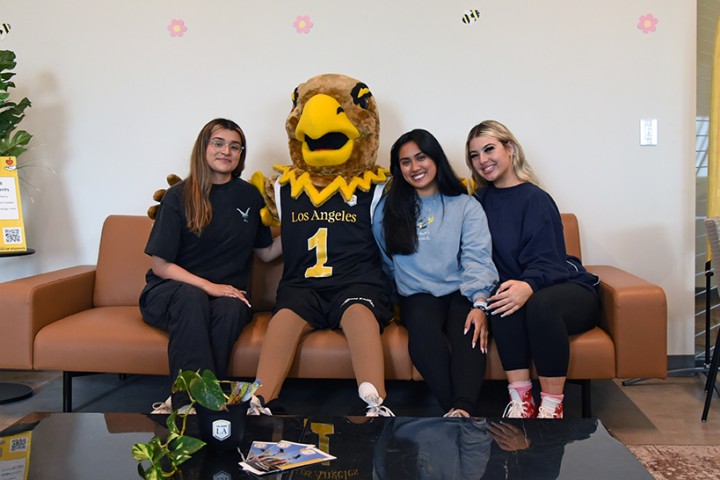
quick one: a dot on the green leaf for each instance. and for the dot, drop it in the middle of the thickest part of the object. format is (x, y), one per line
(208, 392)
(187, 444)
(7, 59)
(183, 380)
(21, 137)
(178, 458)
(172, 424)
(154, 472)
(142, 451)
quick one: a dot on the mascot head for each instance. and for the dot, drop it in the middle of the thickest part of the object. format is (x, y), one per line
(333, 128)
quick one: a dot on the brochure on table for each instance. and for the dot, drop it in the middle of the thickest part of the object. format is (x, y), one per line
(273, 457)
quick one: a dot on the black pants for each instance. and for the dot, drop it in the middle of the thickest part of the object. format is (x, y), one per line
(541, 329)
(451, 368)
(202, 329)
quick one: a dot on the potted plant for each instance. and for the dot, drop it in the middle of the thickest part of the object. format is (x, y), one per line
(208, 394)
(12, 142)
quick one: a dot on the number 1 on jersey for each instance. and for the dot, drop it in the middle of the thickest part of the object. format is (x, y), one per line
(319, 243)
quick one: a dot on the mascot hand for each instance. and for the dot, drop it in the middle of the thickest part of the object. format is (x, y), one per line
(268, 213)
(172, 179)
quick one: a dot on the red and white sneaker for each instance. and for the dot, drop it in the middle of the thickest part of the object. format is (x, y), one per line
(547, 411)
(520, 406)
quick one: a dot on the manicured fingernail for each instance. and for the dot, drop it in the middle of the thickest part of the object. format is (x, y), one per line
(465, 331)
(474, 344)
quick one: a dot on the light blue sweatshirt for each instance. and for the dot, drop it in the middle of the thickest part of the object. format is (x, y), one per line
(454, 250)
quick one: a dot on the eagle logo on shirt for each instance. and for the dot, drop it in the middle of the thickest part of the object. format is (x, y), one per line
(244, 214)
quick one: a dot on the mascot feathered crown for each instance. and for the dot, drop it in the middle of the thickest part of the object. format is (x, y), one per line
(333, 134)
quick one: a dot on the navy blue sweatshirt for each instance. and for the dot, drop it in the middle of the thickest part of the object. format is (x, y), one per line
(528, 243)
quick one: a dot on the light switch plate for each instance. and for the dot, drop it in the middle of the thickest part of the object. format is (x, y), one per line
(648, 131)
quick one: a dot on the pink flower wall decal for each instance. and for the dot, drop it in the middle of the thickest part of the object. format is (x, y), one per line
(177, 28)
(302, 24)
(647, 23)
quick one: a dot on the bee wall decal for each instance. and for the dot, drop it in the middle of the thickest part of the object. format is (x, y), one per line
(470, 16)
(4, 30)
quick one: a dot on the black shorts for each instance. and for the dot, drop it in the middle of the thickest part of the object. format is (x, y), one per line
(324, 309)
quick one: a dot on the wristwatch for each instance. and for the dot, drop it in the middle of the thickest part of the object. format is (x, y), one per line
(482, 305)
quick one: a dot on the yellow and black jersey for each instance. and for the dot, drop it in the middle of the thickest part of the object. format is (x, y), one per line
(329, 246)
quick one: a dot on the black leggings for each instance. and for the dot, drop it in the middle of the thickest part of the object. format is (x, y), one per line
(451, 368)
(541, 329)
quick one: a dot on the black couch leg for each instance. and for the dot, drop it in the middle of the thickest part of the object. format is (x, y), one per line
(586, 394)
(67, 392)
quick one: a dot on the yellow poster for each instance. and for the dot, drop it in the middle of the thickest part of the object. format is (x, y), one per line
(12, 229)
(15, 456)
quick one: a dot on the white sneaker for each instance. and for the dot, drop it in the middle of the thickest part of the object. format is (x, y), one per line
(368, 393)
(162, 408)
(257, 408)
(165, 408)
(454, 413)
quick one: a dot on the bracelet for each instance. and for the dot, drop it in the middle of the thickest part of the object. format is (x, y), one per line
(482, 305)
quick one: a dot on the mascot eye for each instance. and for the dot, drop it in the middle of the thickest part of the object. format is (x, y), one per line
(295, 96)
(339, 110)
(361, 95)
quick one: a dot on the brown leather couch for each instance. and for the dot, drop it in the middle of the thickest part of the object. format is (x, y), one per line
(86, 319)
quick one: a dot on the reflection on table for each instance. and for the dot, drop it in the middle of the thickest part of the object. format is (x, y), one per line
(93, 445)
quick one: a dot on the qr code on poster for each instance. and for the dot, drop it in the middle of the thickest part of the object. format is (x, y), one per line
(18, 444)
(12, 235)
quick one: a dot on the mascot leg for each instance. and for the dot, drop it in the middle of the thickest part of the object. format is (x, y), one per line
(362, 332)
(283, 335)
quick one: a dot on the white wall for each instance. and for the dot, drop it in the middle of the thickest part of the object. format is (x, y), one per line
(117, 103)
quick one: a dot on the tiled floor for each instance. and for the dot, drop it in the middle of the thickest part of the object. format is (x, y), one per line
(661, 412)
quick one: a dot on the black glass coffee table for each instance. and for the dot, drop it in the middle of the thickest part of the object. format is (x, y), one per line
(95, 445)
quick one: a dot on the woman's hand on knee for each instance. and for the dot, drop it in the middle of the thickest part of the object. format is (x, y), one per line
(510, 297)
(219, 290)
(478, 320)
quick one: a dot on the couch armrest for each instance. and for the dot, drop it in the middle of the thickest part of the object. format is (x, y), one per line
(28, 304)
(634, 313)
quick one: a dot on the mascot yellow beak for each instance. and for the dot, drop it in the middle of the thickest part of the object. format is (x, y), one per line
(326, 133)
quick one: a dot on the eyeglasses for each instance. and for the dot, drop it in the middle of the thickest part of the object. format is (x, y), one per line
(219, 143)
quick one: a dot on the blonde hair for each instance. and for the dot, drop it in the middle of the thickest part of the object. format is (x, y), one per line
(196, 193)
(498, 131)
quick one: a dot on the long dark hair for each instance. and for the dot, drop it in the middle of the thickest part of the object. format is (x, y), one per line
(402, 203)
(198, 184)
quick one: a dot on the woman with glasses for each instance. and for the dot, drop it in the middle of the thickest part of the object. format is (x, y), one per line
(201, 245)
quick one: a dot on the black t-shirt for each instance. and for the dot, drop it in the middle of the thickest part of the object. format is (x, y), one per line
(222, 253)
(331, 246)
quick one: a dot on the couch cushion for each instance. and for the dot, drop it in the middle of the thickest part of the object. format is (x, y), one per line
(122, 263)
(104, 339)
(572, 234)
(592, 355)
